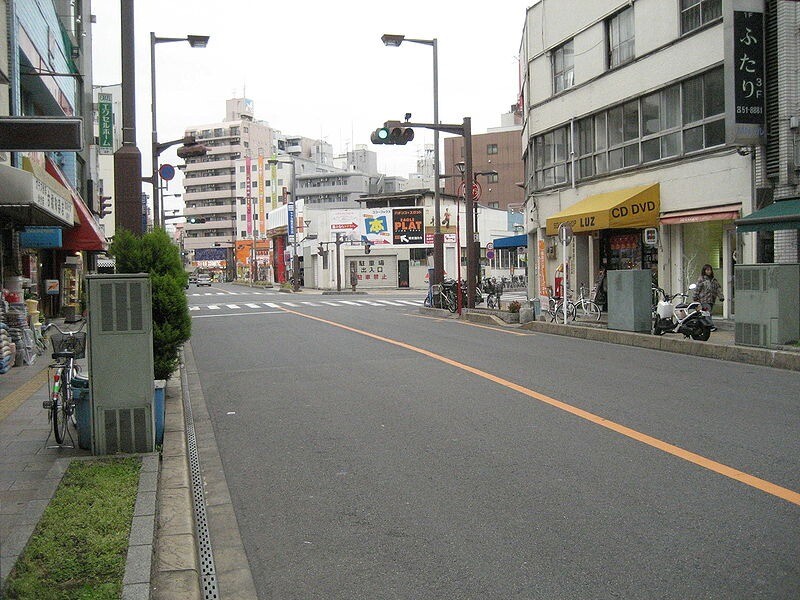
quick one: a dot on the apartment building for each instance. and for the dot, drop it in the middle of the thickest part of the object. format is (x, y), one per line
(499, 150)
(634, 134)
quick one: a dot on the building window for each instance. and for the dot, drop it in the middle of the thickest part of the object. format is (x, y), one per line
(621, 38)
(677, 120)
(696, 13)
(493, 177)
(704, 111)
(494, 205)
(551, 152)
(661, 124)
(243, 234)
(491, 149)
(563, 67)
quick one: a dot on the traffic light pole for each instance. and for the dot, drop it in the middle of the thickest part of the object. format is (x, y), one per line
(465, 130)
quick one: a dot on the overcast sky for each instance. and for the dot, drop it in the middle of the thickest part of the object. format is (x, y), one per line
(318, 68)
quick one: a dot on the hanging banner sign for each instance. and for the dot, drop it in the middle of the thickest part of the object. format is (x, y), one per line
(105, 122)
(745, 114)
(249, 199)
(408, 226)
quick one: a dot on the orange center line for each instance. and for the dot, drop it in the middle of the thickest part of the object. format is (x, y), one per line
(697, 459)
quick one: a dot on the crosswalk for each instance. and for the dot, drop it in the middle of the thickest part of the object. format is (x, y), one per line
(278, 304)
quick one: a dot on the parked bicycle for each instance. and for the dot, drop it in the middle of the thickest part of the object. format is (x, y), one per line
(493, 291)
(585, 307)
(68, 346)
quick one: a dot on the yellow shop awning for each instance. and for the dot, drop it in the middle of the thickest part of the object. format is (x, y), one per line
(630, 208)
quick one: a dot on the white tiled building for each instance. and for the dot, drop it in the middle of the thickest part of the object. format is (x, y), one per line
(625, 113)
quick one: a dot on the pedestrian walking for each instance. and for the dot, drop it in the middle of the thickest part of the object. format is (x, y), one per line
(708, 290)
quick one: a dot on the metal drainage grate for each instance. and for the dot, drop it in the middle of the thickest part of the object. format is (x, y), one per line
(208, 576)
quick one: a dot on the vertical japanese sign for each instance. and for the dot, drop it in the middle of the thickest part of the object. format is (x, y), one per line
(248, 196)
(273, 183)
(105, 122)
(542, 268)
(745, 83)
(262, 213)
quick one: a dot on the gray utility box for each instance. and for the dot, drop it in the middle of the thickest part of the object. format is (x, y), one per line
(629, 300)
(767, 304)
(121, 362)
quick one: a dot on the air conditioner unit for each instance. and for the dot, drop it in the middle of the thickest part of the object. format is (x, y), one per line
(767, 304)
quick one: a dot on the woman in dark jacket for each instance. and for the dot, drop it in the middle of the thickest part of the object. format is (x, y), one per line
(708, 289)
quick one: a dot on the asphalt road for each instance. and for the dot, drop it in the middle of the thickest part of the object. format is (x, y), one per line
(374, 452)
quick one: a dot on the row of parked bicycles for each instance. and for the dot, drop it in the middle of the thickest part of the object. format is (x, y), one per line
(584, 307)
(489, 290)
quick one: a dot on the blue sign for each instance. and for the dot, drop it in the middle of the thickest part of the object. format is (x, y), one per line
(167, 172)
(40, 237)
(291, 222)
(211, 254)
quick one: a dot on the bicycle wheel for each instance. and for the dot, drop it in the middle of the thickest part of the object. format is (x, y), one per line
(60, 414)
(558, 317)
(590, 310)
(491, 301)
(450, 302)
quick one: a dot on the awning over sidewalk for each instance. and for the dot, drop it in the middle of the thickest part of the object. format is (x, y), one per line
(86, 234)
(33, 198)
(631, 208)
(780, 215)
(714, 213)
(512, 241)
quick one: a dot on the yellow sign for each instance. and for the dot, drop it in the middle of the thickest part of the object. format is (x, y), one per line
(631, 208)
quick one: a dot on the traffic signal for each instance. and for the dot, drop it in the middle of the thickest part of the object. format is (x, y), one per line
(367, 247)
(321, 249)
(191, 149)
(394, 135)
(105, 206)
(196, 220)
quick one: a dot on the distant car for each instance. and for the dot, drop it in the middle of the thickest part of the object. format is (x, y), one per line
(203, 279)
(193, 278)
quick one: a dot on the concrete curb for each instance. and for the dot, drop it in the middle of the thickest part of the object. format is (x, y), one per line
(139, 562)
(766, 357)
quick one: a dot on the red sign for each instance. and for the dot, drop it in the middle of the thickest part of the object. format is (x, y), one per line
(476, 190)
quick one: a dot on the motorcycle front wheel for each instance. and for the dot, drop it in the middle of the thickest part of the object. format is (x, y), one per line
(701, 334)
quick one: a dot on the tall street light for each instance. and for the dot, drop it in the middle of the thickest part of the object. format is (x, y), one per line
(394, 40)
(195, 41)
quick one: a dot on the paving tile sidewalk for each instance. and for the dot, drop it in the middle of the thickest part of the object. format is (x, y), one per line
(29, 467)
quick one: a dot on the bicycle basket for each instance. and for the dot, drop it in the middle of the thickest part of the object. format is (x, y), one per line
(70, 343)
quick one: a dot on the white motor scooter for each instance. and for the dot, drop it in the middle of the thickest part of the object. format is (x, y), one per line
(690, 319)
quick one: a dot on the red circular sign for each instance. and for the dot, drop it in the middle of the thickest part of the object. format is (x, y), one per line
(476, 190)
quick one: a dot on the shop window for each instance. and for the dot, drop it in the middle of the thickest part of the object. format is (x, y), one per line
(563, 65)
(621, 38)
(696, 13)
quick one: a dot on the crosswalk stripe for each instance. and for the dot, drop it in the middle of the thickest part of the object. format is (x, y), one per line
(369, 303)
(310, 303)
(389, 302)
(292, 304)
(271, 305)
(410, 302)
(194, 308)
(213, 307)
(331, 303)
(251, 305)
(232, 305)
(350, 303)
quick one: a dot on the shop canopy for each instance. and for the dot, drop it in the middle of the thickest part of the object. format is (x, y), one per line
(513, 241)
(780, 215)
(700, 215)
(631, 208)
(86, 234)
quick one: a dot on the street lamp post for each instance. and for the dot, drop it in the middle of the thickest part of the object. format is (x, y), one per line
(195, 41)
(394, 40)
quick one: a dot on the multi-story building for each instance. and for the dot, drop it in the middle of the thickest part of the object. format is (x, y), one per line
(210, 191)
(46, 72)
(634, 136)
(499, 149)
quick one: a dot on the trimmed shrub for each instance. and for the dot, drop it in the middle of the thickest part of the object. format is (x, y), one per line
(155, 253)
(514, 306)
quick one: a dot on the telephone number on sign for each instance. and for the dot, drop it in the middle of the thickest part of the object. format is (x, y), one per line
(749, 110)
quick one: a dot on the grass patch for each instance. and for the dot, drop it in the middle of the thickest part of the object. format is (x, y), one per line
(79, 547)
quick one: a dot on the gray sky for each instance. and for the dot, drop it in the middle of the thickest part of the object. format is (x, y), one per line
(318, 68)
